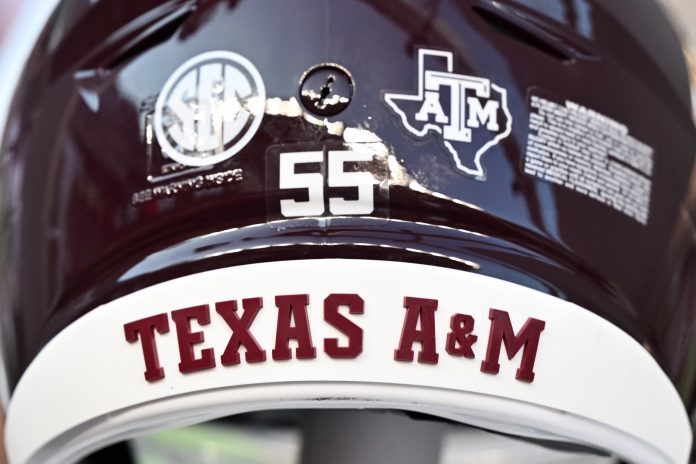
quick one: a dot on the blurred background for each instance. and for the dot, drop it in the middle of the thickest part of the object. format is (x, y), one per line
(683, 14)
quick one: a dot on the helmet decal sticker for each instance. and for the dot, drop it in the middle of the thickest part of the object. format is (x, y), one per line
(589, 153)
(293, 323)
(209, 109)
(469, 114)
(326, 179)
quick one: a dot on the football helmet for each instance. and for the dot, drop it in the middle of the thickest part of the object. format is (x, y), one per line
(467, 211)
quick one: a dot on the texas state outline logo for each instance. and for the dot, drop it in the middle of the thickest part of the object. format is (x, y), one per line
(468, 114)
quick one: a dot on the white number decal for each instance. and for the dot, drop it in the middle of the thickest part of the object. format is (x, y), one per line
(365, 204)
(337, 177)
(313, 182)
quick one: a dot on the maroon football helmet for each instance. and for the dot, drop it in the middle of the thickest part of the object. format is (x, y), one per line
(469, 212)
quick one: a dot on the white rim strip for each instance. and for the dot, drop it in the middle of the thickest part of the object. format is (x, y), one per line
(593, 383)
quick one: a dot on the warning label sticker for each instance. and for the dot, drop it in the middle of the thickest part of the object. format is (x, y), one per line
(592, 154)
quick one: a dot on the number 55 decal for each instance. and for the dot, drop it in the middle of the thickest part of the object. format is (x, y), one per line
(329, 182)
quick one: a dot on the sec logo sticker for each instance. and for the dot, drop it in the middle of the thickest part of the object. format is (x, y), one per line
(209, 109)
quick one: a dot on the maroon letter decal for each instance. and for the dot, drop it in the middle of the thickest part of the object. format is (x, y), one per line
(356, 305)
(145, 329)
(240, 331)
(458, 340)
(182, 319)
(527, 338)
(423, 309)
(293, 307)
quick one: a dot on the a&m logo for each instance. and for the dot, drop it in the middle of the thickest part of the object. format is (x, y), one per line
(209, 109)
(468, 114)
